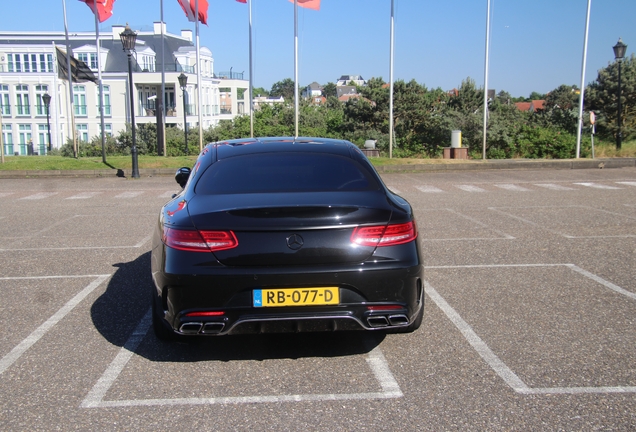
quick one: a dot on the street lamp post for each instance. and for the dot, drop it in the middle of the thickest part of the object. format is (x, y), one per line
(47, 101)
(128, 39)
(619, 53)
(183, 82)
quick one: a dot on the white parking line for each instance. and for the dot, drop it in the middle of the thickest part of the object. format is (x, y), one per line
(84, 195)
(39, 195)
(628, 183)
(35, 336)
(477, 343)
(598, 186)
(129, 194)
(470, 188)
(375, 359)
(512, 187)
(498, 366)
(4, 194)
(429, 189)
(553, 186)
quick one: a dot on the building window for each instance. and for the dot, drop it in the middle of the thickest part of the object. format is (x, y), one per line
(40, 108)
(24, 131)
(108, 128)
(82, 132)
(148, 63)
(22, 100)
(107, 107)
(89, 58)
(7, 139)
(5, 105)
(79, 100)
(43, 138)
(30, 62)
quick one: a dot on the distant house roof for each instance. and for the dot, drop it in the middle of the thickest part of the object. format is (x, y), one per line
(346, 79)
(346, 97)
(318, 100)
(539, 104)
(346, 90)
(523, 106)
(532, 106)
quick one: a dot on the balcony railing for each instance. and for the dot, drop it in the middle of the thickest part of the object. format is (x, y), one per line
(107, 109)
(23, 110)
(230, 75)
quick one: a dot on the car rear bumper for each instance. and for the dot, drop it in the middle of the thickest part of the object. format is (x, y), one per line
(363, 294)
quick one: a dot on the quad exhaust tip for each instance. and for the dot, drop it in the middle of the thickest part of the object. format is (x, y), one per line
(213, 328)
(191, 328)
(390, 321)
(398, 320)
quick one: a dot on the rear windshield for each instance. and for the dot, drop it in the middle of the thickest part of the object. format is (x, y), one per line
(285, 172)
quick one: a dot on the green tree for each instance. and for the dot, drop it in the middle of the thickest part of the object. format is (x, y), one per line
(536, 96)
(602, 98)
(561, 107)
(259, 91)
(469, 98)
(329, 89)
(284, 88)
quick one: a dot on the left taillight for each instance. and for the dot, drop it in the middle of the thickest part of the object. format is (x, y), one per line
(384, 235)
(199, 241)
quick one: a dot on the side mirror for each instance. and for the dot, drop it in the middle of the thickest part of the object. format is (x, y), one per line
(182, 176)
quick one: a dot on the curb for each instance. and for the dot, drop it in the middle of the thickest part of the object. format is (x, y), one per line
(514, 164)
(470, 165)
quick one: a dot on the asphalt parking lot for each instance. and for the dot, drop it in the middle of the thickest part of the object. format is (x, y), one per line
(530, 319)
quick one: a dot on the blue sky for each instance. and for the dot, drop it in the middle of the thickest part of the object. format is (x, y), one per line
(535, 45)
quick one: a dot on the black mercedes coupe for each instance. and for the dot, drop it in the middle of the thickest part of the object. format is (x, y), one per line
(285, 235)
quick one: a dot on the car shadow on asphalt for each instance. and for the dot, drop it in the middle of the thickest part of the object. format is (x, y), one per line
(118, 312)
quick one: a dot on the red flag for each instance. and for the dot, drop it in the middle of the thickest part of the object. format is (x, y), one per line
(309, 4)
(242, 1)
(104, 8)
(189, 7)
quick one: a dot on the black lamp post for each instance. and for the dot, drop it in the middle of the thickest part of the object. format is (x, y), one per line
(47, 101)
(619, 53)
(183, 82)
(128, 39)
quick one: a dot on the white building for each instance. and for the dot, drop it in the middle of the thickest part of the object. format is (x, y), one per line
(28, 71)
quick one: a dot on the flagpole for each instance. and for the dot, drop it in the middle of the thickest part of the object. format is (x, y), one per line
(483, 155)
(101, 86)
(251, 74)
(199, 77)
(296, 67)
(70, 83)
(391, 83)
(163, 84)
(55, 98)
(579, 123)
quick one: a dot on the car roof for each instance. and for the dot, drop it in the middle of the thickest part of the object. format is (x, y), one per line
(246, 146)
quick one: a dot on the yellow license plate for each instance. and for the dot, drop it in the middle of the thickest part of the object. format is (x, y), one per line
(296, 297)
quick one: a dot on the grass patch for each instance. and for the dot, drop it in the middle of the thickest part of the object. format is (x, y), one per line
(38, 163)
(603, 149)
(607, 149)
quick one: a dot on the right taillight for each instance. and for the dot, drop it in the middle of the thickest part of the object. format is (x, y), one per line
(385, 235)
(199, 241)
